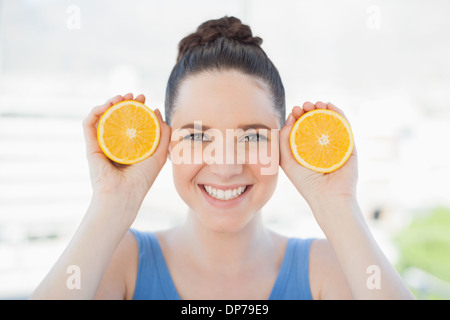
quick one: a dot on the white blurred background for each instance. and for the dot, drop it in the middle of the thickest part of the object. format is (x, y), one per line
(385, 63)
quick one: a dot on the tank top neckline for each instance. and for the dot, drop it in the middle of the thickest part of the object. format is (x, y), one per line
(172, 290)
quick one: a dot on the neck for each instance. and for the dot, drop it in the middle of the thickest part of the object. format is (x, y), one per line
(225, 251)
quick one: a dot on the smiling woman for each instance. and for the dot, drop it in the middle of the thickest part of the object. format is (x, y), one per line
(228, 93)
(225, 140)
(223, 85)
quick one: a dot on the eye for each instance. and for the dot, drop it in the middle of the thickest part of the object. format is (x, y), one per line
(196, 137)
(254, 137)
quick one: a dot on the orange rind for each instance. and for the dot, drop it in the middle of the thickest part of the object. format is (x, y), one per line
(321, 140)
(128, 132)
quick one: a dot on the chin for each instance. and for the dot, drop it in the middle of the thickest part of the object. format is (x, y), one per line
(226, 221)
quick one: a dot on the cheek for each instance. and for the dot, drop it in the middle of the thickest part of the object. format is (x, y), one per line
(263, 157)
(185, 152)
(266, 182)
(183, 175)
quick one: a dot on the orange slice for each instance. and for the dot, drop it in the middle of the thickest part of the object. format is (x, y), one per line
(321, 140)
(128, 132)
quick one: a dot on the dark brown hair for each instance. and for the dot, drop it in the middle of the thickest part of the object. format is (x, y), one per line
(219, 45)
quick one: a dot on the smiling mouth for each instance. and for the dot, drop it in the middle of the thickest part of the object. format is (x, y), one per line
(225, 194)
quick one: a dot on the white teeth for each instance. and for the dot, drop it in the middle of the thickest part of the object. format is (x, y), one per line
(224, 194)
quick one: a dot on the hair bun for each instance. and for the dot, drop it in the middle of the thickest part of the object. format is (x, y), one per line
(228, 27)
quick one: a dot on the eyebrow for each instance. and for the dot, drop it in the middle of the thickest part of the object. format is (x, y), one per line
(244, 127)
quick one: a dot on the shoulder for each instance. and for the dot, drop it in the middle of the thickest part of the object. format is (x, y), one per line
(119, 279)
(327, 280)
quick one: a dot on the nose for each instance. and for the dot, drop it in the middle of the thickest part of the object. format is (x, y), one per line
(226, 164)
(226, 171)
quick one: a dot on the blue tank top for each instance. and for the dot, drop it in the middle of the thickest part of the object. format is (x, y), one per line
(154, 281)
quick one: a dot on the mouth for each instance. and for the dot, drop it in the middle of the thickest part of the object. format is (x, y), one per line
(225, 194)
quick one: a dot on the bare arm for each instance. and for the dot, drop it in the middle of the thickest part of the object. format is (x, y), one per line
(332, 198)
(118, 192)
(79, 270)
(367, 271)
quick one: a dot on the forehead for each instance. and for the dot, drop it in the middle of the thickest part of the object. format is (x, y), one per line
(223, 99)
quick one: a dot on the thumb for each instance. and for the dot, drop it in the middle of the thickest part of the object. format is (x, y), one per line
(285, 133)
(287, 159)
(162, 149)
(290, 120)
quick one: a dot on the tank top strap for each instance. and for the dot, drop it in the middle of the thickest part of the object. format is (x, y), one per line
(292, 282)
(154, 281)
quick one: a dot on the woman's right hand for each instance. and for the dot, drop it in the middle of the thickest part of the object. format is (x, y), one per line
(125, 182)
(118, 193)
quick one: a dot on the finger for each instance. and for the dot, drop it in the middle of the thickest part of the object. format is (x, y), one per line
(284, 136)
(115, 99)
(308, 106)
(287, 128)
(163, 124)
(289, 121)
(95, 114)
(297, 112)
(140, 98)
(158, 115)
(128, 96)
(320, 105)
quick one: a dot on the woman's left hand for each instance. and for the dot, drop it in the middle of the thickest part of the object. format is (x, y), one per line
(332, 198)
(317, 187)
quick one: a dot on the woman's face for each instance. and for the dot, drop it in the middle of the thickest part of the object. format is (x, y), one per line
(224, 148)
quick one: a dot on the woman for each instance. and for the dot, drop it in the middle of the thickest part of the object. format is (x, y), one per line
(222, 81)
